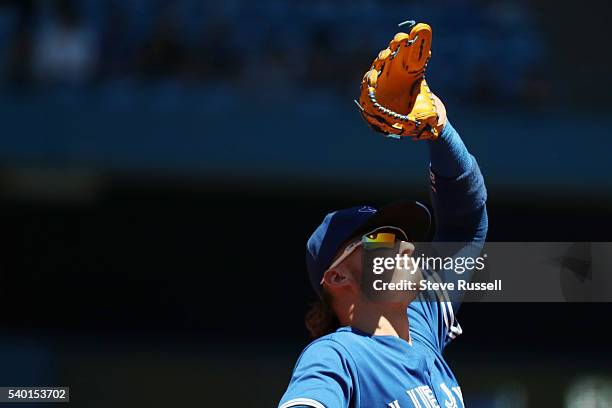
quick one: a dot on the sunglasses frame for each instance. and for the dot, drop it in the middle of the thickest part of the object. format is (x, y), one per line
(352, 247)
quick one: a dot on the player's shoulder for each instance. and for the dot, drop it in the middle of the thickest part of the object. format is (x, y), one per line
(346, 336)
(335, 341)
(333, 345)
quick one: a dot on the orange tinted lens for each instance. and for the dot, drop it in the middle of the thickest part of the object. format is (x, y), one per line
(379, 238)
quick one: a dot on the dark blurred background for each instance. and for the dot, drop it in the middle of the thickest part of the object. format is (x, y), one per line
(162, 164)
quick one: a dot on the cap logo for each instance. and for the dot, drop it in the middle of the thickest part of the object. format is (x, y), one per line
(367, 209)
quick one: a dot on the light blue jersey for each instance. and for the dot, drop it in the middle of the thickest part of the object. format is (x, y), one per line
(350, 368)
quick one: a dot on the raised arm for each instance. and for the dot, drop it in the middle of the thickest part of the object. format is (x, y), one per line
(458, 196)
(458, 191)
(459, 203)
(396, 100)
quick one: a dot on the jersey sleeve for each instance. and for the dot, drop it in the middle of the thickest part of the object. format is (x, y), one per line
(460, 213)
(322, 378)
(461, 222)
(432, 317)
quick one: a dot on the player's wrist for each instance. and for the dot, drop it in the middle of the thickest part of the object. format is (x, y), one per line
(442, 118)
(449, 158)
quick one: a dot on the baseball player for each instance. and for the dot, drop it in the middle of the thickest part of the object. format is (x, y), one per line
(389, 353)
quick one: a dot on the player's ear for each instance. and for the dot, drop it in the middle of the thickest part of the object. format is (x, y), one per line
(337, 278)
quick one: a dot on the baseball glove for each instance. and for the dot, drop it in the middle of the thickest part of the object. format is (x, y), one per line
(395, 98)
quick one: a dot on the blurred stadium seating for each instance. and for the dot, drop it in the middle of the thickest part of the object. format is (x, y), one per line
(157, 86)
(321, 44)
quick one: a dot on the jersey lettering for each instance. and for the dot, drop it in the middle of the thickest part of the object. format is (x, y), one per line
(459, 394)
(451, 402)
(422, 397)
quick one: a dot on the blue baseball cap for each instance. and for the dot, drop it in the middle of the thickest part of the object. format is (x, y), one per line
(340, 226)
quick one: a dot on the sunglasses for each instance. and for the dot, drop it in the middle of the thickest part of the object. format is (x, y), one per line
(381, 237)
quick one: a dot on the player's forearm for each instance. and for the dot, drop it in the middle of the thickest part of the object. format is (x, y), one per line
(448, 155)
(458, 190)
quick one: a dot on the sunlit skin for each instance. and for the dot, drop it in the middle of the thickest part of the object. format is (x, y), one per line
(354, 309)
